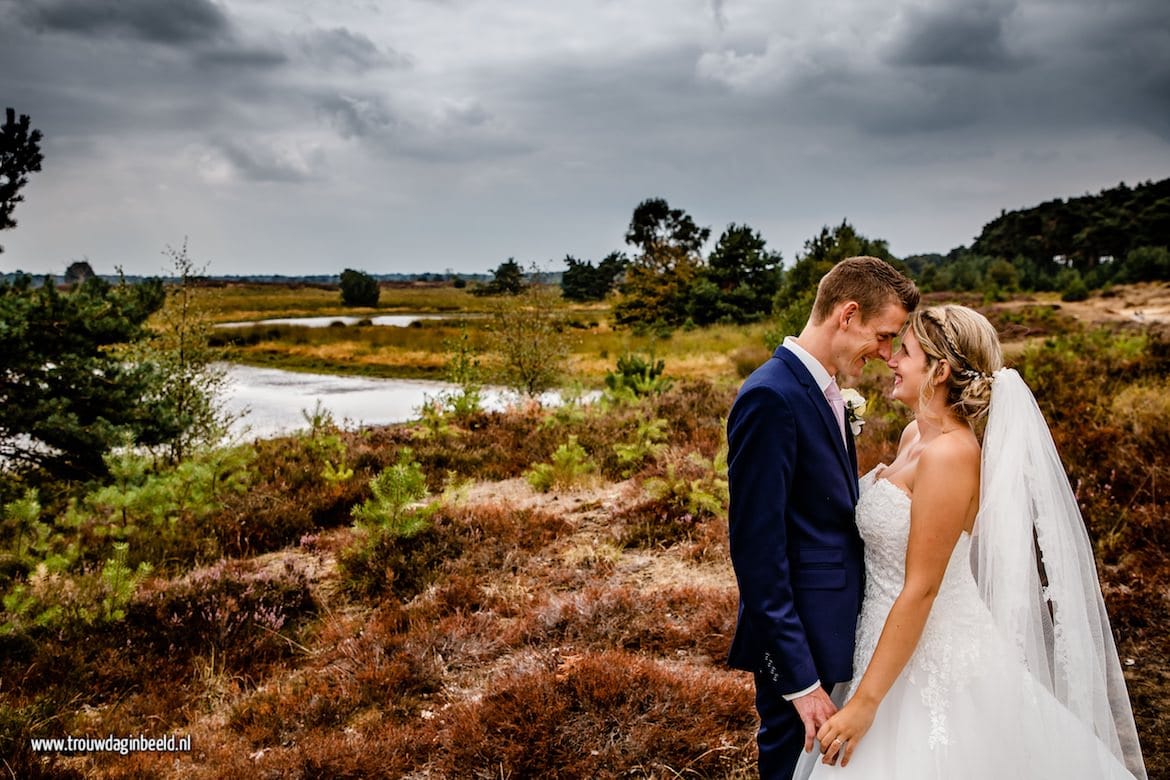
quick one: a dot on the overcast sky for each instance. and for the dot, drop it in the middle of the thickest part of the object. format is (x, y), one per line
(307, 136)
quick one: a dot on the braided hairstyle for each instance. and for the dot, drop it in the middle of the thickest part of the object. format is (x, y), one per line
(967, 342)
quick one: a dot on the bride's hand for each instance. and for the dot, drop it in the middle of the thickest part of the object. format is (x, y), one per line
(840, 734)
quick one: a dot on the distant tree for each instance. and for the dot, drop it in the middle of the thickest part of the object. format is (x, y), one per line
(191, 377)
(1146, 263)
(610, 271)
(359, 288)
(821, 253)
(20, 155)
(78, 271)
(739, 281)
(507, 279)
(1073, 287)
(658, 280)
(793, 301)
(69, 395)
(1002, 275)
(582, 282)
(527, 332)
(655, 224)
(1082, 233)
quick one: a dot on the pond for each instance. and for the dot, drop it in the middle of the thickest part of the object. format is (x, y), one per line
(385, 320)
(272, 402)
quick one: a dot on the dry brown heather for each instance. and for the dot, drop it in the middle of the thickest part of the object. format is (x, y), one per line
(575, 633)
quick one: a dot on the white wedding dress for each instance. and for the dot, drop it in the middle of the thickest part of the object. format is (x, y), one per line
(964, 706)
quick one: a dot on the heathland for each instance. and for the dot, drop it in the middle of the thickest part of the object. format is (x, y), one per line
(538, 592)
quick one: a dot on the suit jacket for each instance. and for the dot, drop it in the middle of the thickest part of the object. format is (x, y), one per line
(794, 543)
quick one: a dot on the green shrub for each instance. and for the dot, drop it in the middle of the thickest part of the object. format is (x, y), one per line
(649, 442)
(1075, 289)
(395, 506)
(570, 465)
(58, 600)
(636, 377)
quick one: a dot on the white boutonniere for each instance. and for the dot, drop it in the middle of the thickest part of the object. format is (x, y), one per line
(854, 409)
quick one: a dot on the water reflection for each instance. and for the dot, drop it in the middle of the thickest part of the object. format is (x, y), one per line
(386, 320)
(274, 402)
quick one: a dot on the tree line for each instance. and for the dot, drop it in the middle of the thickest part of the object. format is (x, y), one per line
(1121, 235)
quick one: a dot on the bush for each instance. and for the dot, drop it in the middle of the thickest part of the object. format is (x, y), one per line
(1074, 289)
(527, 334)
(636, 377)
(604, 715)
(383, 562)
(395, 507)
(233, 610)
(359, 289)
(570, 465)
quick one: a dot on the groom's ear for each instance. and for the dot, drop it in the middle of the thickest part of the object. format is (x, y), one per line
(848, 312)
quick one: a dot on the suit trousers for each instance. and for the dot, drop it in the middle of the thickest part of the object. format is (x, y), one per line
(781, 735)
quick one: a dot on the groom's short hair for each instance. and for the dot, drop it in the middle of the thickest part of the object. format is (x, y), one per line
(870, 281)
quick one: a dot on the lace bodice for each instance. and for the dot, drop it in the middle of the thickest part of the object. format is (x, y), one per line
(950, 649)
(944, 716)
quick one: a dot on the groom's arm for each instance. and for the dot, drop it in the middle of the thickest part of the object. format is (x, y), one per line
(761, 434)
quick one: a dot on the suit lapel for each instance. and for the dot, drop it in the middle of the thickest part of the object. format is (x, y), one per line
(845, 455)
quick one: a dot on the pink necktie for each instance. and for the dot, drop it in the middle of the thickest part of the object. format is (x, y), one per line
(833, 394)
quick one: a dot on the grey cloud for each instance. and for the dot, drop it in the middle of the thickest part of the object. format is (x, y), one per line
(241, 56)
(158, 21)
(964, 35)
(340, 47)
(263, 163)
(720, 16)
(456, 133)
(357, 117)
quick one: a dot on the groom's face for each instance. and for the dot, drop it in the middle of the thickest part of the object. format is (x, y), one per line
(863, 340)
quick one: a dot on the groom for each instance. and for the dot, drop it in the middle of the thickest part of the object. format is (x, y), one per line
(792, 469)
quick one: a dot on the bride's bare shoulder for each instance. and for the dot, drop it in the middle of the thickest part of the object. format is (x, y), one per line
(958, 449)
(909, 434)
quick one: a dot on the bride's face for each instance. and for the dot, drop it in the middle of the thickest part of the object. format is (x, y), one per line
(909, 365)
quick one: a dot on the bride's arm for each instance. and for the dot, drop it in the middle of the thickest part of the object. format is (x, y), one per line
(945, 488)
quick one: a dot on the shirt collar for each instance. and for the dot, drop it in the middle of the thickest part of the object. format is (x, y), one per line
(819, 374)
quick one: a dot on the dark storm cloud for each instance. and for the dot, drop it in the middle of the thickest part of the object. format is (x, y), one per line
(157, 21)
(964, 35)
(1122, 57)
(241, 56)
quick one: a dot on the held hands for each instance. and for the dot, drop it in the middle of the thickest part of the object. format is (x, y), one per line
(814, 709)
(840, 734)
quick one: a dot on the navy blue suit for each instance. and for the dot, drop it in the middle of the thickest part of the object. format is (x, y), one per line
(794, 546)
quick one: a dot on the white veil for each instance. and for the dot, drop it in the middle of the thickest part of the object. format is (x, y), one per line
(1035, 567)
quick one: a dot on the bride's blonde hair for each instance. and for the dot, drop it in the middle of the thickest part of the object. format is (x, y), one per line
(967, 342)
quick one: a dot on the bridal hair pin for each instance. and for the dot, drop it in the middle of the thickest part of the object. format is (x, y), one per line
(970, 373)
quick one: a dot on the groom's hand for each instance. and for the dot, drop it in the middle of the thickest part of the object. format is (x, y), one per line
(814, 709)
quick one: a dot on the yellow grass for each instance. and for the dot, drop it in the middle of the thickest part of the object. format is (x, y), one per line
(709, 353)
(243, 302)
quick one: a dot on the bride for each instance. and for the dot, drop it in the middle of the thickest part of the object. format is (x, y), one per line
(983, 646)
